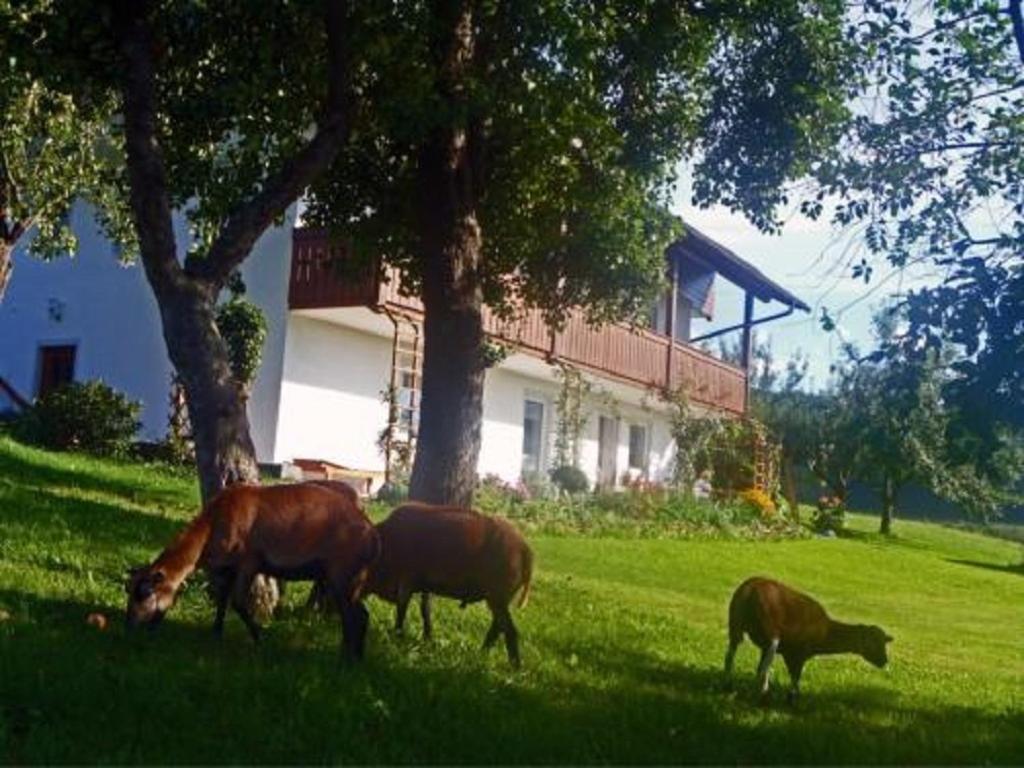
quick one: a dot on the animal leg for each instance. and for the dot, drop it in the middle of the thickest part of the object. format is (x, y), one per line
(795, 665)
(428, 627)
(240, 600)
(355, 619)
(764, 669)
(511, 639)
(730, 655)
(492, 632)
(401, 606)
(220, 582)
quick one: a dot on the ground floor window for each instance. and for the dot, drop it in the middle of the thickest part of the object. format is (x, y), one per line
(56, 367)
(533, 427)
(638, 446)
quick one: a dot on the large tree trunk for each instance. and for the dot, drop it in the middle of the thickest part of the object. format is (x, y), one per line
(220, 426)
(450, 241)
(889, 491)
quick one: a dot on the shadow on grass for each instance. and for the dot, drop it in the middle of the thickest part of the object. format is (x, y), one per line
(100, 523)
(71, 694)
(21, 471)
(1007, 568)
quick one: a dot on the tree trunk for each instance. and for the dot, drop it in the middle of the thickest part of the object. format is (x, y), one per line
(789, 491)
(889, 490)
(450, 241)
(220, 426)
(6, 266)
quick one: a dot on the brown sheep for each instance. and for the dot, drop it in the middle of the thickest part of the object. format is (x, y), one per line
(286, 531)
(455, 553)
(778, 619)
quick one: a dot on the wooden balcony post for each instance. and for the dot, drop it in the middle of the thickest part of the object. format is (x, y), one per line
(746, 351)
(670, 320)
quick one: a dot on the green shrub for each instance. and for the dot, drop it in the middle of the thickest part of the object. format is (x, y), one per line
(244, 329)
(570, 479)
(88, 416)
(830, 515)
(392, 493)
(537, 485)
(655, 513)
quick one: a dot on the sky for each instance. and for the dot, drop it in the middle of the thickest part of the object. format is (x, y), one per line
(806, 258)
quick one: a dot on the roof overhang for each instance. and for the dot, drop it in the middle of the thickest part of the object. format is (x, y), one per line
(696, 245)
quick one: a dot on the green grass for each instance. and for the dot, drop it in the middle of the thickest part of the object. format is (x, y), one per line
(623, 641)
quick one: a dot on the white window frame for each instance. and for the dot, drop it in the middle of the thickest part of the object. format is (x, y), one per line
(645, 467)
(545, 416)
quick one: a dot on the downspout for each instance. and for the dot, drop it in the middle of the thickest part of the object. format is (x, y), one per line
(392, 392)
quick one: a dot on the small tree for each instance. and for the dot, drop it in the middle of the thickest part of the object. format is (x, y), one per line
(229, 128)
(900, 426)
(693, 433)
(571, 416)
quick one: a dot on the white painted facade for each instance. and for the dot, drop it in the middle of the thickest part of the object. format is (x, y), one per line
(318, 394)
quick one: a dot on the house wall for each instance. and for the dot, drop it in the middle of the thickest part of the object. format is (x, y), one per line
(331, 406)
(318, 391)
(106, 308)
(102, 306)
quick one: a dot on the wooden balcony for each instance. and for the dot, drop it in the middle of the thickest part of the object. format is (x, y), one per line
(617, 351)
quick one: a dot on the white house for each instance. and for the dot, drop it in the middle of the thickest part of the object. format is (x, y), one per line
(335, 347)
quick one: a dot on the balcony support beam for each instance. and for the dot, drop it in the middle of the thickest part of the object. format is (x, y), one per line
(746, 349)
(670, 321)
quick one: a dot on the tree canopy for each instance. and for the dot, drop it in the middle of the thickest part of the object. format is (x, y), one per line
(932, 172)
(578, 116)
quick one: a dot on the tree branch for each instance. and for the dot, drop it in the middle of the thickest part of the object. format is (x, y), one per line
(252, 217)
(147, 174)
(939, 148)
(1014, 9)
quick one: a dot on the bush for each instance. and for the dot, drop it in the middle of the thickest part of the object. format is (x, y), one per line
(657, 512)
(537, 485)
(570, 479)
(87, 416)
(392, 493)
(759, 502)
(830, 516)
(244, 329)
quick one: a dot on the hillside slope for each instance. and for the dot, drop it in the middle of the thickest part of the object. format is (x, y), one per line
(623, 642)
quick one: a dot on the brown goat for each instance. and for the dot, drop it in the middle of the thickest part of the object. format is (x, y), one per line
(455, 553)
(297, 531)
(778, 619)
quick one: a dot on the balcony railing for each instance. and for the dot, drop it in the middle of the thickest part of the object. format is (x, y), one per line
(617, 351)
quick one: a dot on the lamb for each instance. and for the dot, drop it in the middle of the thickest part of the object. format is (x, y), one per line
(287, 531)
(779, 619)
(456, 553)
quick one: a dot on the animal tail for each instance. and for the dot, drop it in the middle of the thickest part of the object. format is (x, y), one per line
(368, 555)
(527, 564)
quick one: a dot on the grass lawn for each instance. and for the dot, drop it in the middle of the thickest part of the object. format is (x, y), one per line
(622, 642)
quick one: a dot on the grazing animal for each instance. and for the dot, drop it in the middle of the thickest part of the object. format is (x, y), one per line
(456, 553)
(778, 619)
(299, 531)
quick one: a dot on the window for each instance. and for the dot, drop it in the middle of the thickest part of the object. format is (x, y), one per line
(533, 427)
(56, 367)
(637, 446)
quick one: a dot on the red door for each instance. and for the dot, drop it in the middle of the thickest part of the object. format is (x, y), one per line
(56, 367)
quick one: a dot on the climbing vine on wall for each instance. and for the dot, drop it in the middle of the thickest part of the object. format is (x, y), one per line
(571, 416)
